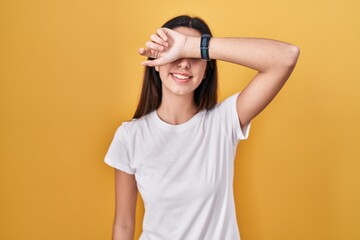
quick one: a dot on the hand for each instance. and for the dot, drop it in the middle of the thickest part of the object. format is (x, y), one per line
(165, 46)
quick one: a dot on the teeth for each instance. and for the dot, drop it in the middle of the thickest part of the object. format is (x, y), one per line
(179, 76)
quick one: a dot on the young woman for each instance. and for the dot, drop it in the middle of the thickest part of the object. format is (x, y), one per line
(179, 149)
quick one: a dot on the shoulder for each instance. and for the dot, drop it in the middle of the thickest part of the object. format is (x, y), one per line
(133, 126)
(227, 103)
(223, 111)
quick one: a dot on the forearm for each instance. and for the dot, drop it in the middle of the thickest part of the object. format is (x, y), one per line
(123, 233)
(262, 55)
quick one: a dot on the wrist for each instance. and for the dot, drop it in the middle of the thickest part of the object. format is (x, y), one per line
(191, 49)
(204, 47)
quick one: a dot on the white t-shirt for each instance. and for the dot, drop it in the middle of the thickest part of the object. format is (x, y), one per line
(184, 172)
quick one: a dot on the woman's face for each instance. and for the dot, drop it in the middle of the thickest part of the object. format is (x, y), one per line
(182, 76)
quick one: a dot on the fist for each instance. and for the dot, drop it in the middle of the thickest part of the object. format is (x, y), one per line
(165, 46)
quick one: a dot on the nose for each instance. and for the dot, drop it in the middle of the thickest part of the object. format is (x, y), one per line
(184, 63)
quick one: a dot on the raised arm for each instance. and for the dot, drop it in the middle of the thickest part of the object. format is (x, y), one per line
(274, 61)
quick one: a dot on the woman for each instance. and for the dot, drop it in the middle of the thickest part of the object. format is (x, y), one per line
(179, 149)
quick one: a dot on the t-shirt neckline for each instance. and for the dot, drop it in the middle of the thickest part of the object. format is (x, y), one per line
(175, 128)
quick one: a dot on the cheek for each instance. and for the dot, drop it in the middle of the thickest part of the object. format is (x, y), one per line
(163, 71)
(202, 71)
(200, 65)
(163, 74)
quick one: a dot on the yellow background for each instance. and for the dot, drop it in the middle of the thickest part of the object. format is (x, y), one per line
(70, 74)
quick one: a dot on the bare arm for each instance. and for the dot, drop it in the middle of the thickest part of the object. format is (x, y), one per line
(274, 61)
(125, 206)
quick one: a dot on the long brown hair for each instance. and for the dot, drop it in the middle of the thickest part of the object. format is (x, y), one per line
(205, 95)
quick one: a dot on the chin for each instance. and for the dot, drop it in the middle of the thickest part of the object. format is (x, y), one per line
(178, 91)
(182, 93)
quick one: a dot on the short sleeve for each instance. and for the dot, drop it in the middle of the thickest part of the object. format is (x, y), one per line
(230, 119)
(118, 153)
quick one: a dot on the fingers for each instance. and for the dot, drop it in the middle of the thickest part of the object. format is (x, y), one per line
(157, 39)
(152, 54)
(154, 48)
(153, 63)
(162, 32)
(142, 51)
(148, 53)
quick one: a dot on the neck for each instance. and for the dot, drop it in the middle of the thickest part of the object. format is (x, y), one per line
(176, 109)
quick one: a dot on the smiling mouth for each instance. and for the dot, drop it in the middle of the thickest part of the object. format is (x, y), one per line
(181, 77)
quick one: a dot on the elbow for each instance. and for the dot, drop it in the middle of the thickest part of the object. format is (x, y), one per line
(287, 59)
(293, 53)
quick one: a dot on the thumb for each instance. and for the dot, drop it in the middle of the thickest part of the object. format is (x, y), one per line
(152, 63)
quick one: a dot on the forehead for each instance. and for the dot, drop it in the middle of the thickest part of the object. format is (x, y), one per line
(188, 31)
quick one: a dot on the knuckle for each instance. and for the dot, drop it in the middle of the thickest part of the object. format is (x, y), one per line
(160, 31)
